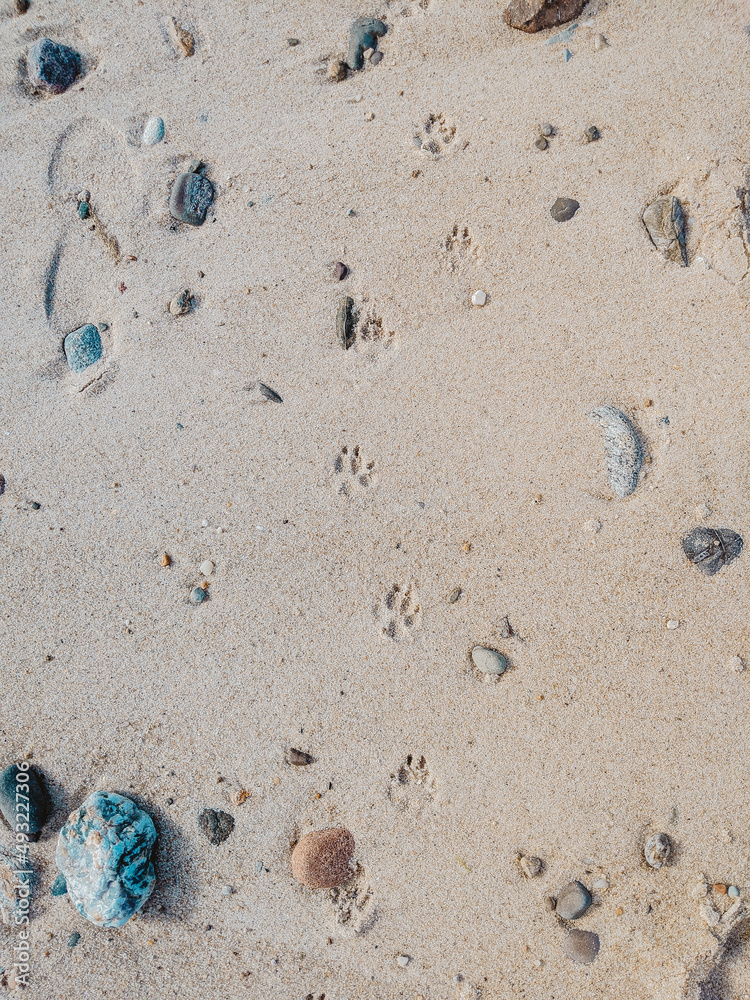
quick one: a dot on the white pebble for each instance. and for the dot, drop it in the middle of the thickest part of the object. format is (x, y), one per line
(153, 132)
(403, 960)
(204, 524)
(227, 890)
(479, 298)
(600, 883)
(672, 624)
(733, 891)
(600, 42)
(219, 531)
(593, 526)
(207, 567)
(735, 663)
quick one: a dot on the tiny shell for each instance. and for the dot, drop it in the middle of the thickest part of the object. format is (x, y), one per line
(657, 850)
(665, 223)
(622, 448)
(153, 131)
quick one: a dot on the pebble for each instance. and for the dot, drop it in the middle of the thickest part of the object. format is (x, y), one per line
(73, 940)
(581, 946)
(546, 129)
(376, 58)
(181, 304)
(299, 758)
(622, 449)
(52, 67)
(321, 859)
(403, 960)
(541, 143)
(215, 825)
(665, 223)
(291, 42)
(341, 271)
(345, 327)
(573, 901)
(735, 663)
(228, 890)
(363, 35)
(708, 549)
(11, 905)
(59, 886)
(537, 15)
(564, 209)
(479, 298)
(593, 526)
(185, 39)
(672, 624)
(198, 596)
(39, 804)
(191, 197)
(206, 567)
(733, 891)
(657, 850)
(153, 132)
(489, 661)
(454, 595)
(270, 394)
(83, 347)
(165, 560)
(337, 69)
(550, 903)
(83, 210)
(104, 852)
(600, 42)
(530, 865)
(720, 888)
(592, 133)
(22, 6)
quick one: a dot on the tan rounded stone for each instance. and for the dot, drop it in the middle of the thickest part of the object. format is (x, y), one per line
(321, 859)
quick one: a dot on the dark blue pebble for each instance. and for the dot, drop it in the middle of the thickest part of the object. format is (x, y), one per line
(51, 66)
(83, 209)
(191, 197)
(83, 347)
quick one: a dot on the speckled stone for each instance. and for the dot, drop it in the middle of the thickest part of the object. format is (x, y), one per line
(215, 825)
(321, 859)
(573, 901)
(581, 946)
(657, 850)
(564, 209)
(83, 347)
(104, 852)
(153, 132)
(190, 198)
(52, 67)
(489, 661)
(39, 805)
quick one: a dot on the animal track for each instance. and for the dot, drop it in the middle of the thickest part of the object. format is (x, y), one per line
(411, 782)
(353, 905)
(356, 474)
(412, 7)
(456, 249)
(434, 136)
(372, 331)
(398, 614)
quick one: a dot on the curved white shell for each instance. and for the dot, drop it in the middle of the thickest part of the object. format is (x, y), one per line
(622, 448)
(153, 131)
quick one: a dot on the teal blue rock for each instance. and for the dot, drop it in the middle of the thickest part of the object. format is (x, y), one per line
(24, 799)
(104, 852)
(83, 347)
(364, 35)
(59, 886)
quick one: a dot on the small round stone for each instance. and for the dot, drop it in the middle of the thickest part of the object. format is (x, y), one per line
(672, 624)
(73, 940)
(479, 298)
(198, 596)
(180, 305)
(581, 946)
(733, 891)
(592, 133)
(153, 132)
(735, 663)
(215, 825)
(375, 58)
(541, 142)
(454, 595)
(291, 42)
(83, 209)
(206, 567)
(564, 209)
(573, 901)
(546, 129)
(720, 887)
(321, 859)
(489, 661)
(657, 850)
(403, 960)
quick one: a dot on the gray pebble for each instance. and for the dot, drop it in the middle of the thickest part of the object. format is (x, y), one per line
(665, 223)
(291, 42)
(454, 595)
(83, 347)
(657, 850)
(363, 35)
(22, 6)
(708, 549)
(376, 57)
(191, 196)
(345, 326)
(36, 811)
(581, 946)
(541, 142)
(546, 129)
(733, 891)
(622, 449)
(299, 758)
(270, 394)
(52, 67)
(489, 661)
(564, 209)
(592, 133)
(340, 271)
(550, 903)
(215, 825)
(573, 901)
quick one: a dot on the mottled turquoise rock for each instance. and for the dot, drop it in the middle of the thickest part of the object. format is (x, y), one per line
(104, 852)
(83, 209)
(364, 35)
(83, 347)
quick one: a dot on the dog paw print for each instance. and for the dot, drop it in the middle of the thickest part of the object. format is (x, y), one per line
(456, 249)
(412, 7)
(435, 136)
(353, 904)
(397, 613)
(354, 473)
(373, 332)
(411, 782)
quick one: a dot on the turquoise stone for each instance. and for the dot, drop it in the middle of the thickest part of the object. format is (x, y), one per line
(83, 347)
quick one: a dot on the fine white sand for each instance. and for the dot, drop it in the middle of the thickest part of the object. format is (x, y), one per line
(487, 476)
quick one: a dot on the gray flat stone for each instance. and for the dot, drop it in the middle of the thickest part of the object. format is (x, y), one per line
(489, 661)
(581, 946)
(191, 197)
(573, 901)
(564, 209)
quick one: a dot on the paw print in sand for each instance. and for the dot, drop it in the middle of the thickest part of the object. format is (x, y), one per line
(411, 783)
(456, 249)
(435, 136)
(355, 474)
(397, 614)
(372, 331)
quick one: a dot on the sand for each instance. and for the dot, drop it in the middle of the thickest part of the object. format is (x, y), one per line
(482, 472)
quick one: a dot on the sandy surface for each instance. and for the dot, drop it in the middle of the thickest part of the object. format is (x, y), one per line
(487, 476)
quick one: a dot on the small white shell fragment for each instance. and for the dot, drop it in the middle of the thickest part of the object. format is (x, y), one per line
(530, 866)
(622, 448)
(207, 567)
(672, 624)
(593, 526)
(479, 298)
(153, 131)
(600, 42)
(600, 884)
(403, 960)
(735, 663)
(657, 850)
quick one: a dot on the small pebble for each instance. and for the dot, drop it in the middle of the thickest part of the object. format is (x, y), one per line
(593, 526)
(83, 195)
(164, 559)
(299, 758)
(153, 132)
(321, 859)
(337, 69)
(720, 888)
(52, 67)
(185, 39)
(550, 903)
(191, 197)
(673, 624)
(546, 129)
(735, 663)
(369, 116)
(73, 940)
(206, 568)
(59, 886)
(270, 394)
(541, 142)
(592, 133)
(600, 884)
(573, 901)
(489, 661)
(291, 42)
(340, 271)
(83, 209)
(600, 42)
(215, 825)
(198, 596)
(375, 58)
(368, 53)
(664, 220)
(403, 960)
(708, 549)
(454, 595)
(733, 891)
(564, 209)
(479, 298)
(180, 305)
(531, 866)
(567, 54)
(22, 6)
(657, 850)
(581, 946)
(228, 890)
(345, 325)
(83, 347)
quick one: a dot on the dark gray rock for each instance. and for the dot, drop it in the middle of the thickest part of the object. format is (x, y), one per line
(299, 757)
(708, 549)
(581, 946)
(363, 35)
(536, 15)
(564, 209)
(191, 197)
(592, 133)
(215, 825)
(573, 901)
(52, 67)
(13, 809)
(345, 324)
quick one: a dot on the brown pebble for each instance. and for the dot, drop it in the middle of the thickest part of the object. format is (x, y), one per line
(581, 946)
(22, 6)
(184, 38)
(536, 15)
(321, 859)
(165, 560)
(620, 911)
(337, 69)
(648, 402)
(550, 903)
(720, 888)
(541, 142)
(299, 758)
